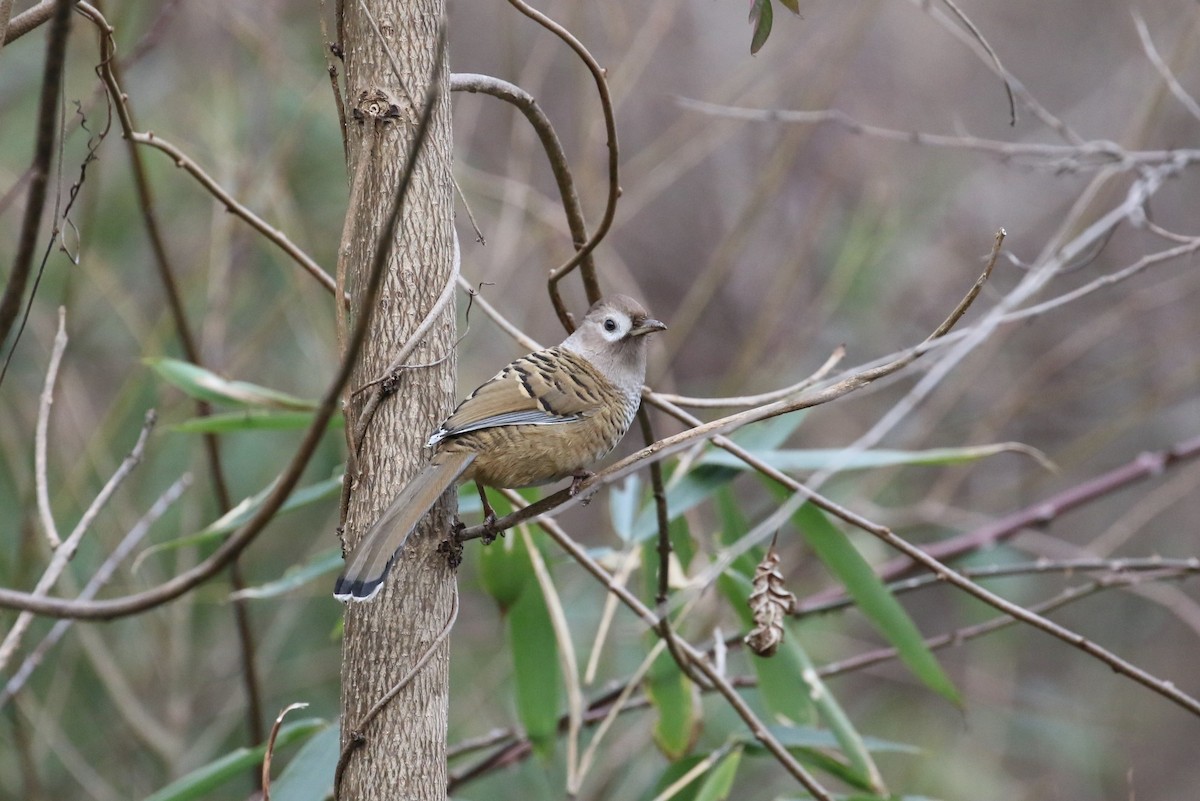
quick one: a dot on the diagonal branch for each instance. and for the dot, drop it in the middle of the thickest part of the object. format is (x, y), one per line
(43, 155)
(590, 283)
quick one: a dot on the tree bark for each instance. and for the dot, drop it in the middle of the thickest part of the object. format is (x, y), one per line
(404, 756)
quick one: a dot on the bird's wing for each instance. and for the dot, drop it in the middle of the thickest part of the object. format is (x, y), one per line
(547, 387)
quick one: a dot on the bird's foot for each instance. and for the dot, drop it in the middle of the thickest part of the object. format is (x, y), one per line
(490, 530)
(577, 479)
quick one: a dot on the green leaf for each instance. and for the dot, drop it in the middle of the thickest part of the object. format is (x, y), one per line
(862, 770)
(535, 661)
(719, 781)
(309, 774)
(760, 18)
(809, 737)
(838, 554)
(205, 779)
(296, 576)
(196, 382)
(673, 773)
(792, 6)
(251, 420)
(242, 512)
(672, 695)
(504, 568)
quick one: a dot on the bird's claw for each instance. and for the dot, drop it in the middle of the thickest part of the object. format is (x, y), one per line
(577, 479)
(490, 530)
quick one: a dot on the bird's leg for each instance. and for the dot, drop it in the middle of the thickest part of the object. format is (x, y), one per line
(490, 532)
(577, 479)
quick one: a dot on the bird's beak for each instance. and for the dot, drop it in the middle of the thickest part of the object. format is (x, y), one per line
(647, 326)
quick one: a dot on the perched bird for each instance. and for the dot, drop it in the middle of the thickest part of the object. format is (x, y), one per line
(546, 416)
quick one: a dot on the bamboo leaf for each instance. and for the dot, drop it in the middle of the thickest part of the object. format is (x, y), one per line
(674, 699)
(719, 782)
(841, 557)
(202, 384)
(207, 778)
(251, 420)
(536, 667)
(309, 774)
(321, 564)
(241, 512)
(760, 18)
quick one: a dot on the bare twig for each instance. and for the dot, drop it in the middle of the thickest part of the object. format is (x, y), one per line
(236, 208)
(976, 45)
(1093, 154)
(757, 400)
(283, 486)
(101, 577)
(1069, 595)
(555, 156)
(695, 659)
(590, 282)
(43, 155)
(43, 422)
(992, 54)
(817, 605)
(1181, 94)
(66, 550)
(28, 20)
(270, 750)
(1150, 464)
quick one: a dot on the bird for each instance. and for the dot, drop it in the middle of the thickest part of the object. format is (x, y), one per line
(545, 417)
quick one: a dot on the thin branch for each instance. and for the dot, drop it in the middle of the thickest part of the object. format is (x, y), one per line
(234, 207)
(270, 749)
(65, 551)
(1069, 595)
(1092, 154)
(1181, 94)
(1015, 86)
(695, 659)
(41, 481)
(992, 54)
(766, 397)
(101, 577)
(1149, 464)
(29, 19)
(816, 605)
(590, 283)
(286, 482)
(555, 156)
(43, 155)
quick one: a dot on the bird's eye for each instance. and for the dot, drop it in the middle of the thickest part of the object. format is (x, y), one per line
(610, 324)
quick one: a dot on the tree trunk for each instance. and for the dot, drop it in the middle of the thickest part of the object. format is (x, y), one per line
(404, 756)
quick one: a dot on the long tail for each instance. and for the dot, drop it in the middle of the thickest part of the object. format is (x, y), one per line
(368, 564)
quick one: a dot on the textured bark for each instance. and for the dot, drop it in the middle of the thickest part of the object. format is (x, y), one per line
(404, 756)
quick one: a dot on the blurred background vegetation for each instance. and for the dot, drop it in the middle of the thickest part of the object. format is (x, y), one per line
(763, 244)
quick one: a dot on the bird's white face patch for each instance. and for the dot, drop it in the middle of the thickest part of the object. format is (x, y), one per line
(615, 326)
